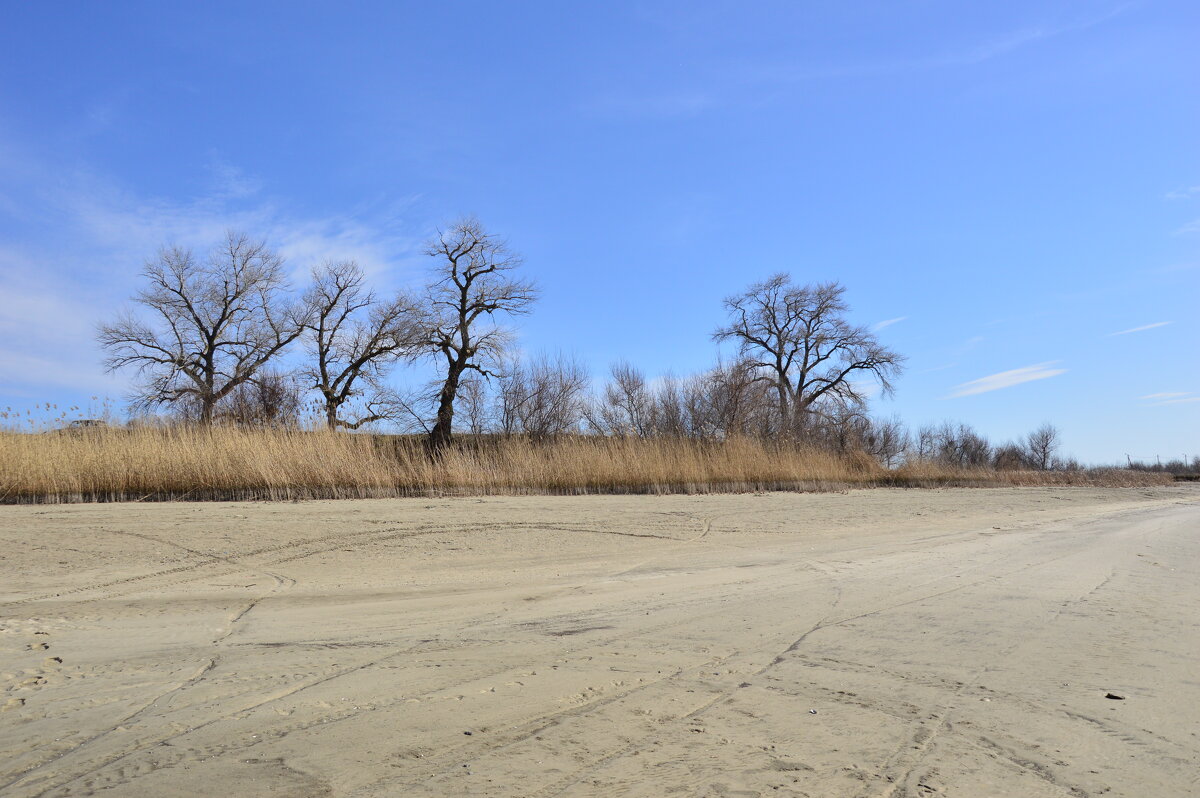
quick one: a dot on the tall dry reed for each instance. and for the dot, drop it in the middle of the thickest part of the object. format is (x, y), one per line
(116, 464)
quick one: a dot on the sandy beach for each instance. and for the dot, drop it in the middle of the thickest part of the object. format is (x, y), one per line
(871, 643)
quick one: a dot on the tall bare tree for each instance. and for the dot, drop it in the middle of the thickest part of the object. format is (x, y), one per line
(354, 338)
(472, 283)
(214, 324)
(1041, 445)
(798, 339)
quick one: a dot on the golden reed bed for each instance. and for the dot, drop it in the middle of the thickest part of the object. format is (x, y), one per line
(115, 464)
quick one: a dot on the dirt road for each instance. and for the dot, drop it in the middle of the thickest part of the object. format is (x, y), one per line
(874, 643)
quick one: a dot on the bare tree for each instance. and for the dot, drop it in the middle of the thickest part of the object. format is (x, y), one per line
(740, 401)
(268, 399)
(626, 406)
(472, 390)
(215, 323)
(725, 401)
(472, 284)
(354, 339)
(954, 445)
(798, 339)
(668, 409)
(1009, 457)
(1041, 446)
(543, 398)
(884, 439)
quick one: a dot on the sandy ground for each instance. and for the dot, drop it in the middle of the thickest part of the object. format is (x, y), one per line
(874, 643)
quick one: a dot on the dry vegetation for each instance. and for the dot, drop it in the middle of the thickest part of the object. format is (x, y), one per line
(118, 464)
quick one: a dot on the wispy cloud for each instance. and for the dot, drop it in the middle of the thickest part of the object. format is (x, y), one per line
(1183, 193)
(889, 322)
(1185, 400)
(230, 182)
(1002, 45)
(734, 81)
(866, 388)
(47, 337)
(1140, 329)
(1007, 379)
(963, 56)
(1170, 398)
(85, 237)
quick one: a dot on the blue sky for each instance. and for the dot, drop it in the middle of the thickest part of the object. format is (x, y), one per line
(1003, 187)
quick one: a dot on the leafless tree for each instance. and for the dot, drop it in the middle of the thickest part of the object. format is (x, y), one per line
(472, 390)
(1009, 457)
(1041, 446)
(626, 406)
(885, 439)
(354, 338)
(957, 445)
(214, 324)
(668, 409)
(840, 429)
(728, 401)
(269, 399)
(543, 398)
(472, 283)
(798, 339)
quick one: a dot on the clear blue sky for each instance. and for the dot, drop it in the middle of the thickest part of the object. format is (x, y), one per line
(1009, 184)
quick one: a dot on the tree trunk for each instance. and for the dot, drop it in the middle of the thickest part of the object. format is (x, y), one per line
(331, 419)
(439, 436)
(206, 411)
(787, 426)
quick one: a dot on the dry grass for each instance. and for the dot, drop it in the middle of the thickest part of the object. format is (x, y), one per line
(116, 464)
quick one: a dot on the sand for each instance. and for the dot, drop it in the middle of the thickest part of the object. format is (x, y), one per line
(872, 643)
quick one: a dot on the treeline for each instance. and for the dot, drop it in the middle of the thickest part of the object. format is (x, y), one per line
(1179, 466)
(223, 339)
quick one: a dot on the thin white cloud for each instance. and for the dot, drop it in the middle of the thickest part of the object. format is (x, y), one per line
(889, 322)
(86, 239)
(1184, 401)
(230, 182)
(1007, 379)
(1169, 395)
(868, 389)
(1183, 193)
(47, 337)
(1140, 329)
(961, 57)
(136, 228)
